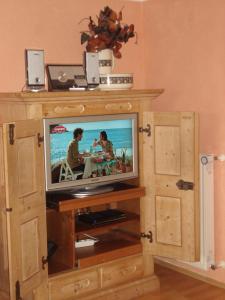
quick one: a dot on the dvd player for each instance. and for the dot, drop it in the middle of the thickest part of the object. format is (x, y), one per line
(101, 217)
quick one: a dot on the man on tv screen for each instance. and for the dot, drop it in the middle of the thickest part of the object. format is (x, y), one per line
(74, 158)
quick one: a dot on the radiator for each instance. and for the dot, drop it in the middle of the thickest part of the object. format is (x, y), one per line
(207, 255)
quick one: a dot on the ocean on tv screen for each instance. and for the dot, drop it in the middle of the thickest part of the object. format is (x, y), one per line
(119, 132)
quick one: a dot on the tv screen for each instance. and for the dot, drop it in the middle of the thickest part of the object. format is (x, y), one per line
(80, 151)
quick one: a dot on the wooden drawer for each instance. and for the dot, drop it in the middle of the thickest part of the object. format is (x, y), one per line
(68, 286)
(123, 271)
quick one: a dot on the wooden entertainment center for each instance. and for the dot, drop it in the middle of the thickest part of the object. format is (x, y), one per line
(161, 205)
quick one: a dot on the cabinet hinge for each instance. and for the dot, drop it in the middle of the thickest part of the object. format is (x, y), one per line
(44, 261)
(147, 129)
(18, 297)
(40, 139)
(8, 209)
(148, 236)
(11, 133)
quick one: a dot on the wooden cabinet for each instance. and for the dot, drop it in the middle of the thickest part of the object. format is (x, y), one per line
(162, 205)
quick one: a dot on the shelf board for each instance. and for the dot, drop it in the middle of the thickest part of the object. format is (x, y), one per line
(86, 228)
(67, 204)
(111, 246)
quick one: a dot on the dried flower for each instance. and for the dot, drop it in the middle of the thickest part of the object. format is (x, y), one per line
(108, 33)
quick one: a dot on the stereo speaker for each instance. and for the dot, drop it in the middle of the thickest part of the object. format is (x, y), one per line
(91, 64)
(35, 68)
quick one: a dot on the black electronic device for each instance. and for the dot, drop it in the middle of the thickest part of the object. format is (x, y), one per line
(101, 217)
(66, 77)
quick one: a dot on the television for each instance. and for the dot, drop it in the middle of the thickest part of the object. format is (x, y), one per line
(98, 166)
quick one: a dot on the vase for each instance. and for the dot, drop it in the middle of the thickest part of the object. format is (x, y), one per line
(106, 61)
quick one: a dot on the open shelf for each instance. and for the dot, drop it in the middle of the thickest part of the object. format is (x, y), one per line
(117, 238)
(111, 245)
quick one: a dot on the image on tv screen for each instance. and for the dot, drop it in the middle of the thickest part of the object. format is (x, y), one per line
(90, 149)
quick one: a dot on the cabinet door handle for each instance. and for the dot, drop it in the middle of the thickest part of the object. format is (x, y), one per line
(184, 185)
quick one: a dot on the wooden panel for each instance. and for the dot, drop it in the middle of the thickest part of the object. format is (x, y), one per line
(4, 296)
(9, 113)
(3, 242)
(4, 265)
(73, 284)
(2, 177)
(30, 248)
(41, 292)
(167, 150)
(185, 242)
(26, 165)
(25, 195)
(88, 108)
(168, 220)
(21, 106)
(88, 284)
(131, 290)
(60, 227)
(118, 273)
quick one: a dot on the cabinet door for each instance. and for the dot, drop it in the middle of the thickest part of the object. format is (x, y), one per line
(171, 212)
(25, 201)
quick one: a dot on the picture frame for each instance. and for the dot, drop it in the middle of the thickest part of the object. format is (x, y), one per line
(64, 77)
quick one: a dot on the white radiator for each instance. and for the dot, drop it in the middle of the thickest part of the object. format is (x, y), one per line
(207, 255)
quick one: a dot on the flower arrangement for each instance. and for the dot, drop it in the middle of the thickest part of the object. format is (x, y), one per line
(108, 33)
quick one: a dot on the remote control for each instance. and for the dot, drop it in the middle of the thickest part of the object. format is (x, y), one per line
(85, 243)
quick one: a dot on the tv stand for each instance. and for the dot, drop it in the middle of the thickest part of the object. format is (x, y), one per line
(91, 190)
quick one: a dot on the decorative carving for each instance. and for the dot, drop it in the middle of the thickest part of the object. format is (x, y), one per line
(118, 106)
(128, 270)
(81, 284)
(69, 108)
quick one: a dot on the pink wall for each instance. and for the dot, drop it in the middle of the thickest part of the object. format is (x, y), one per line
(53, 26)
(181, 48)
(185, 54)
